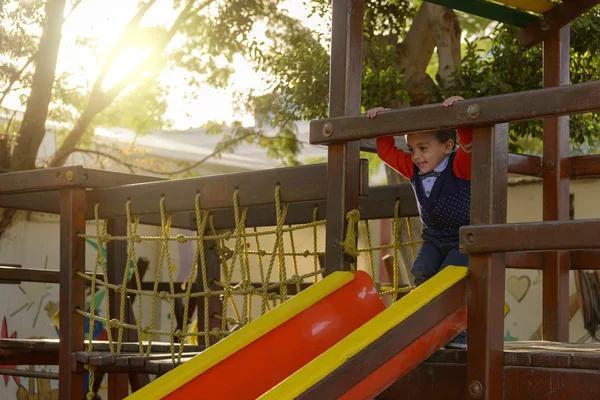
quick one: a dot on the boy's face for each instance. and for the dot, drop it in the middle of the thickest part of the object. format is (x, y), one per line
(427, 151)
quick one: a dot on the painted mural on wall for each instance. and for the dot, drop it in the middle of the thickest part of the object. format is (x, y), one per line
(523, 308)
(33, 307)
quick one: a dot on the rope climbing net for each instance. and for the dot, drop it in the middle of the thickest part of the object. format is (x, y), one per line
(264, 274)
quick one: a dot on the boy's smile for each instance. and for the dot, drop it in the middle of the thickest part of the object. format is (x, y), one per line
(427, 151)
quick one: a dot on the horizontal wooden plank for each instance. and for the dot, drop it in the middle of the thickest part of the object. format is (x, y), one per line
(443, 381)
(12, 274)
(520, 260)
(485, 111)
(71, 176)
(531, 236)
(254, 188)
(28, 373)
(524, 164)
(584, 166)
(554, 19)
(303, 183)
(378, 204)
(580, 260)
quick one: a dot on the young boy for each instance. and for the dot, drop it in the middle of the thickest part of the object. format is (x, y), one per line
(441, 179)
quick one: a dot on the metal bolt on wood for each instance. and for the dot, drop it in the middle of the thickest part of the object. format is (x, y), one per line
(328, 129)
(475, 389)
(550, 165)
(471, 238)
(474, 111)
(70, 176)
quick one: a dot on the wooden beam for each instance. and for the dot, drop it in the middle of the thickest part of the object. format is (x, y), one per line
(65, 177)
(584, 166)
(556, 18)
(446, 381)
(532, 104)
(524, 164)
(555, 297)
(116, 265)
(489, 10)
(18, 275)
(487, 272)
(72, 294)
(345, 80)
(531, 236)
(303, 183)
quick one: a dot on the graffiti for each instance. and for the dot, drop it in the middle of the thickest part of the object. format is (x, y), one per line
(518, 287)
(43, 391)
(34, 294)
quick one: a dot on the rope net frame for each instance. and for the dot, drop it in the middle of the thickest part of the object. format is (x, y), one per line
(235, 248)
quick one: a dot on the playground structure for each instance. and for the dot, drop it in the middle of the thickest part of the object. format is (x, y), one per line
(222, 209)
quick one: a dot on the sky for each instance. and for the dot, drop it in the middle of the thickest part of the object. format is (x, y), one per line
(103, 21)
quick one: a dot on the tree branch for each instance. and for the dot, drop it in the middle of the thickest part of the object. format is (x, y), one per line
(99, 100)
(14, 78)
(116, 50)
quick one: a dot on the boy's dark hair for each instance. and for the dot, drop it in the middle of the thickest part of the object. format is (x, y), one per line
(443, 135)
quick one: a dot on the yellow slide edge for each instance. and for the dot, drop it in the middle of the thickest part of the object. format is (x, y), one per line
(536, 6)
(306, 377)
(181, 375)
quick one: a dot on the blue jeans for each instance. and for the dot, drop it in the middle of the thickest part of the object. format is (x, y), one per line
(434, 256)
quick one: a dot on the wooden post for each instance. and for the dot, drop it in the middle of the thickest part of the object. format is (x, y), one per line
(485, 355)
(72, 295)
(215, 305)
(116, 264)
(345, 79)
(556, 192)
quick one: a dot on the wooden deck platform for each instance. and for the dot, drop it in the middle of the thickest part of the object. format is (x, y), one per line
(532, 371)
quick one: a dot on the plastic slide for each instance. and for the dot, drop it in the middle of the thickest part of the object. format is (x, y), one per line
(417, 352)
(297, 344)
(265, 352)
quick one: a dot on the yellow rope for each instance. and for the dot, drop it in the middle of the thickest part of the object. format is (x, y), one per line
(315, 242)
(395, 257)
(350, 248)
(294, 259)
(265, 300)
(271, 292)
(90, 394)
(370, 247)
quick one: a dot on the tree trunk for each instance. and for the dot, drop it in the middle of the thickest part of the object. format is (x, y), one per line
(446, 34)
(33, 127)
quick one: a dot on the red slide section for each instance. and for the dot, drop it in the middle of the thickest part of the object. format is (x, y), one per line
(256, 368)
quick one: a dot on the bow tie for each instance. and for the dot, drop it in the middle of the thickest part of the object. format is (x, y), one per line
(430, 174)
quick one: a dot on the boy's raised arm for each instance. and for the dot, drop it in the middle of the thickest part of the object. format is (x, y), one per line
(395, 158)
(462, 161)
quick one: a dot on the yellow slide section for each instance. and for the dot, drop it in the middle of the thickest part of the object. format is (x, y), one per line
(338, 354)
